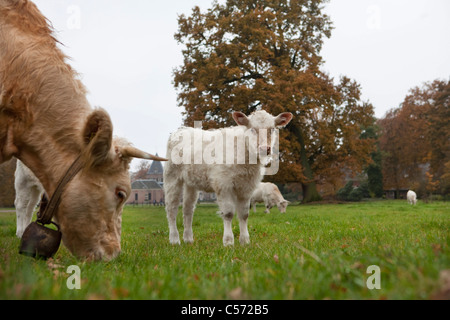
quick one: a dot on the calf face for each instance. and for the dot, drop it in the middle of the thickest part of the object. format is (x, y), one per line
(261, 124)
(282, 206)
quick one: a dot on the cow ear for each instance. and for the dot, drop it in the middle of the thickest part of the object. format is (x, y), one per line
(97, 138)
(240, 118)
(283, 119)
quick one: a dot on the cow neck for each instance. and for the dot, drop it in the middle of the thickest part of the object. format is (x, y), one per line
(48, 210)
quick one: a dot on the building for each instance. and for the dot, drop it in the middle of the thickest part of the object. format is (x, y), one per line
(156, 172)
(146, 191)
(396, 193)
(149, 190)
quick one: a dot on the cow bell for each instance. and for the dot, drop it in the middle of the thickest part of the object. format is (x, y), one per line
(40, 242)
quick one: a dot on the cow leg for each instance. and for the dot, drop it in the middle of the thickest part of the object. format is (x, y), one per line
(173, 196)
(227, 208)
(26, 201)
(242, 209)
(190, 197)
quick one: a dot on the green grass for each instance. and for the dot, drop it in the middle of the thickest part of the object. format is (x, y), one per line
(312, 252)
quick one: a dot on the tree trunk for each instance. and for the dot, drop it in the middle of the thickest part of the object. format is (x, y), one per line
(310, 192)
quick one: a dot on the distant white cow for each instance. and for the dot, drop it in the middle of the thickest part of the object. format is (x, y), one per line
(202, 168)
(412, 197)
(28, 194)
(271, 196)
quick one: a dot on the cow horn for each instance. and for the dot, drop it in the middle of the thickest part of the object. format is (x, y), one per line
(132, 152)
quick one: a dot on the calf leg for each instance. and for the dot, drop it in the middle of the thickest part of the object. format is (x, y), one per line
(254, 206)
(227, 208)
(190, 197)
(173, 193)
(242, 209)
(268, 207)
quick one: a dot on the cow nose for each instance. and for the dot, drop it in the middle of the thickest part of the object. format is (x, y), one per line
(112, 252)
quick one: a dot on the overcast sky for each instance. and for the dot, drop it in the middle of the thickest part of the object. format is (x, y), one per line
(126, 53)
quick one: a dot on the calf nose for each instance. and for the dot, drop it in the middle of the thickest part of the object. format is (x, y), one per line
(265, 150)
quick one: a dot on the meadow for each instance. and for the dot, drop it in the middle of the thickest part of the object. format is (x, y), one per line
(311, 252)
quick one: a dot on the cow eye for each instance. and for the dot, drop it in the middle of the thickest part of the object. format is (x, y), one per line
(121, 194)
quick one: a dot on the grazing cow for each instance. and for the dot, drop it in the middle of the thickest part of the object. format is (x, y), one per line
(233, 180)
(411, 196)
(47, 123)
(271, 196)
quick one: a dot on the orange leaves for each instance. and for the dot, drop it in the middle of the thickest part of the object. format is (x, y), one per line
(242, 56)
(415, 137)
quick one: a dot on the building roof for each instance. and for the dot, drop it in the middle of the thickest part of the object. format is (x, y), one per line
(147, 184)
(156, 168)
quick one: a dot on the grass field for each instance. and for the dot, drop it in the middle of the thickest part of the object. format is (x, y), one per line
(312, 252)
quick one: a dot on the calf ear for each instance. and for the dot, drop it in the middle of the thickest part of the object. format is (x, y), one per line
(283, 119)
(97, 138)
(240, 118)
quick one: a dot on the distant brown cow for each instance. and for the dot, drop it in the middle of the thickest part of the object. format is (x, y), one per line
(47, 122)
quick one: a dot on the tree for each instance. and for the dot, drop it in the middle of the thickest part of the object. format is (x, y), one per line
(247, 54)
(416, 136)
(141, 170)
(374, 169)
(438, 131)
(432, 185)
(445, 179)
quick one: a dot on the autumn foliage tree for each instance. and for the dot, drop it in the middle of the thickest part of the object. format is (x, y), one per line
(250, 54)
(416, 139)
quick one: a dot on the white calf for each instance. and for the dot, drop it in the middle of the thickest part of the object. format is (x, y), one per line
(202, 168)
(411, 197)
(270, 195)
(28, 194)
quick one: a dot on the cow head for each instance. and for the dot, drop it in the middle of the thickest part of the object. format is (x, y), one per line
(90, 212)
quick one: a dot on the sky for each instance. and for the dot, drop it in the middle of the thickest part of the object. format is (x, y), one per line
(125, 53)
